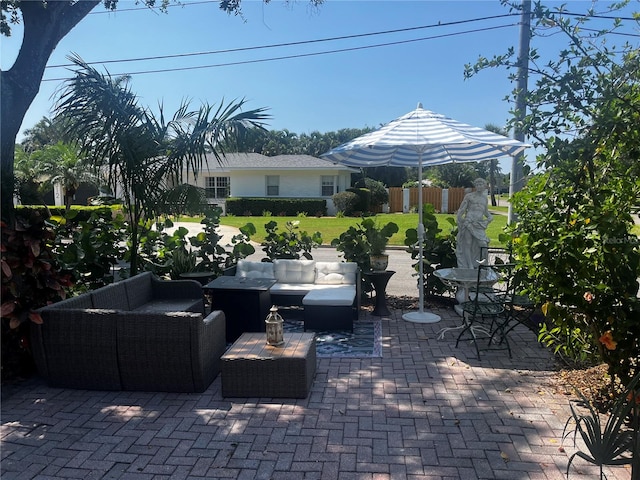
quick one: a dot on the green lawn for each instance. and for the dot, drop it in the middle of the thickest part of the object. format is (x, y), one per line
(331, 227)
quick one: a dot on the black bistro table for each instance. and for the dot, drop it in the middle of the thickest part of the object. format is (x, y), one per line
(379, 280)
(244, 301)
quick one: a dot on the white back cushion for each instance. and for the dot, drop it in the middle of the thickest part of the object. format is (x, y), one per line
(249, 269)
(294, 271)
(336, 273)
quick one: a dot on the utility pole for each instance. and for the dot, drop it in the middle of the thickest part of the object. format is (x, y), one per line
(517, 173)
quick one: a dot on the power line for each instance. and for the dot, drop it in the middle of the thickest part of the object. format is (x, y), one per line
(289, 44)
(605, 17)
(622, 34)
(302, 55)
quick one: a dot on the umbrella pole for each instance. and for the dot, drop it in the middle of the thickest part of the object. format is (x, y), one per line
(420, 316)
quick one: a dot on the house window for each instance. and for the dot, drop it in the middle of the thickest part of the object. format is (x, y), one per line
(273, 185)
(328, 187)
(217, 187)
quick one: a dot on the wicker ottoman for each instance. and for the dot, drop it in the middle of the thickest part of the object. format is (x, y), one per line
(251, 368)
(329, 309)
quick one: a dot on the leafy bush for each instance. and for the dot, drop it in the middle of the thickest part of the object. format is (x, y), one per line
(573, 243)
(89, 249)
(30, 280)
(345, 202)
(366, 238)
(439, 251)
(172, 255)
(291, 243)
(213, 257)
(364, 200)
(378, 193)
(81, 213)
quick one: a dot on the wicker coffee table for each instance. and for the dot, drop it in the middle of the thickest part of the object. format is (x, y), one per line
(251, 368)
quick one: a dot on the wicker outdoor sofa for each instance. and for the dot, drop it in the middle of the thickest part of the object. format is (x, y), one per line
(142, 333)
(329, 291)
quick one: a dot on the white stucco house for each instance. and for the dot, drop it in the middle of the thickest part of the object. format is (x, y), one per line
(284, 176)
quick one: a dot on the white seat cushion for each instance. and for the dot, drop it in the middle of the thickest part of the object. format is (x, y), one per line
(336, 273)
(341, 296)
(249, 269)
(294, 271)
(291, 288)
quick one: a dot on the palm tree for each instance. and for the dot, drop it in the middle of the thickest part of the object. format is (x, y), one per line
(47, 131)
(28, 183)
(494, 165)
(63, 164)
(146, 157)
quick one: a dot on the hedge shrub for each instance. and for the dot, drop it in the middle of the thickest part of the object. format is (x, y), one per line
(364, 204)
(346, 202)
(285, 207)
(82, 213)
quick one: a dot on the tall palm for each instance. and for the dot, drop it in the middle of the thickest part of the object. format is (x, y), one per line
(28, 183)
(146, 157)
(494, 165)
(63, 164)
(47, 131)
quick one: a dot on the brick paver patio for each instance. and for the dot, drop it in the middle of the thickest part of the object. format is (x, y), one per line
(426, 410)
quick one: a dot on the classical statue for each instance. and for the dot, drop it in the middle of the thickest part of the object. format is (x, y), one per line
(473, 218)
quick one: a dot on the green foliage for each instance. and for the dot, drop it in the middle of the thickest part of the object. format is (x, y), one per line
(345, 202)
(389, 176)
(290, 243)
(332, 227)
(572, 344)
(363, 205)
(213, 257)
(173, 254)
(573, 244)
(378, 236)
(354, 247)
(366, 238)
(454, 174)
(241, 246)
(146, 157)
(573, 237)
(362, 240)
(89, 249)
(30, 280)
(62, 163)
(29, 187)
(75, 215)
(378, 193)
(615, 444)
(289, 207)
(438, 250)
(284, 142)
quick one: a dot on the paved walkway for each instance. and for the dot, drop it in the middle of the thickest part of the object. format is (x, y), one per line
(426, 410)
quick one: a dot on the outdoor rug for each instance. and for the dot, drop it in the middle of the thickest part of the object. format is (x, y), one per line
(363, 342)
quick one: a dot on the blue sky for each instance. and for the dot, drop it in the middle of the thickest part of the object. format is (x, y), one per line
(360, 88)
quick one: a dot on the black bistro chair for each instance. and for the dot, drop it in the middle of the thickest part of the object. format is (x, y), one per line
(486, 315)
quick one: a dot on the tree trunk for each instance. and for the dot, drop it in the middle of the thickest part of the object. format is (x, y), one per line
(45, 24)
(493, 166)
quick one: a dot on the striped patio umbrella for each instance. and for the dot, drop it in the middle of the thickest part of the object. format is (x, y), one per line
(423, 138)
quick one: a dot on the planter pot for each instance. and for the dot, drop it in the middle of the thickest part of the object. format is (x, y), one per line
(379, 263)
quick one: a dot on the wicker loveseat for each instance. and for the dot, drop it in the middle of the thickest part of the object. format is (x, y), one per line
(142, 333)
